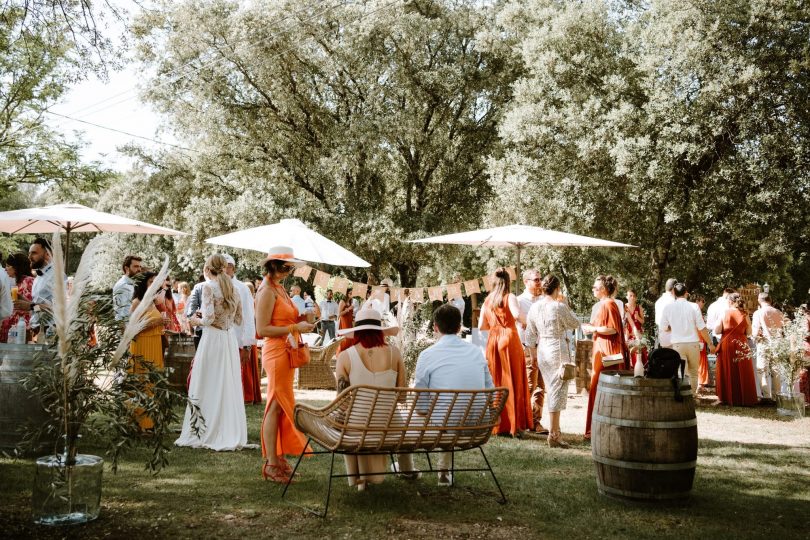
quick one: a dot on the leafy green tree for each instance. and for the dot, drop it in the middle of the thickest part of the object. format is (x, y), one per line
(680, 127)
(371, 121)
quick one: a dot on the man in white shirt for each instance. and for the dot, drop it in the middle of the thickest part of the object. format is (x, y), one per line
(124, 288)
(766, 323)
(451, 363)
(246, 332)
(6, 306)
(684, 323)
(329, 315)
(39, 255)
(531, 294)
(667, 298)
(717, 311)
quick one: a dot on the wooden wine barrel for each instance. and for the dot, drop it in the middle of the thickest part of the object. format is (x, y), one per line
(19, 409)
(583, 354)
(178, 359)
(644, 443)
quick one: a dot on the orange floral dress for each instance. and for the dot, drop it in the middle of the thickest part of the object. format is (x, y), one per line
(280, 376)
(24, 289)
(508, 367)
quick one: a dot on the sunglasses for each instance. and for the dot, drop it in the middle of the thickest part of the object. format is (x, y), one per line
(288, 268)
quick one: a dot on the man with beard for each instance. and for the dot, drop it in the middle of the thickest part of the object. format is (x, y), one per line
(39, 255)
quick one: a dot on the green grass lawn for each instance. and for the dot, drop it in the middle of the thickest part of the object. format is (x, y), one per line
(742, 490)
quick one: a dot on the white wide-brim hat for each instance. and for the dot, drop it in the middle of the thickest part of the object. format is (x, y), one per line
(283, 253)
(369, 319)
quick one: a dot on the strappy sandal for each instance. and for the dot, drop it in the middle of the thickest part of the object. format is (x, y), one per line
(285, 465)
(275, 473)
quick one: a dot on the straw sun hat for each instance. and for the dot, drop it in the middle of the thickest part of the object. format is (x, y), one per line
(283, 253)
(369, 319)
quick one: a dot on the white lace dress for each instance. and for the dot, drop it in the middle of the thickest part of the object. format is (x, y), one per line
(216, 378)
(546, 326)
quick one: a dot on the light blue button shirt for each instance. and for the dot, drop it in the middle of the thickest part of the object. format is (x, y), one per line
(453, 363)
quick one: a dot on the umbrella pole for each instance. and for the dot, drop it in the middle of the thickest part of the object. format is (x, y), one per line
(67, 248)
(517, 272)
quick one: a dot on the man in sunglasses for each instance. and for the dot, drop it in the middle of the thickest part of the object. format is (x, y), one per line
(531, 294)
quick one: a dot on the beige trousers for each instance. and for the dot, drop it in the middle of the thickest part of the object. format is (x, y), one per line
(691, 353)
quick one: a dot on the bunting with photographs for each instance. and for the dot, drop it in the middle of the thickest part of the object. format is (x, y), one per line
(359, 289)
(321, 279)
(453, 291)
(303, 272)
(340, 285)
(472, 287)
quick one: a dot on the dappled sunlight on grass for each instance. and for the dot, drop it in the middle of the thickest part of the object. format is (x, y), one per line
(204, 494)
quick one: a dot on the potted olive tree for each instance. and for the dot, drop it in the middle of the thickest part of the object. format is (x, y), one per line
(785, 354)
(90, 394)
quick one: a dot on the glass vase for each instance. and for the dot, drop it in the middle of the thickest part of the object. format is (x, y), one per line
(790, 405)
(66, 494)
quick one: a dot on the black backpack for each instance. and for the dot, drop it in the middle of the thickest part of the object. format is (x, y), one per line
(664, 364)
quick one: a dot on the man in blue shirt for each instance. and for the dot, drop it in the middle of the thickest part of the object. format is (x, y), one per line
(450, 363)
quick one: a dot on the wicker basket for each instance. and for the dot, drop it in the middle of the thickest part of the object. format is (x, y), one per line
(584, 352)
(319, 373)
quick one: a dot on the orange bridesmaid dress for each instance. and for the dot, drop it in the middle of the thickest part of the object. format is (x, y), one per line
(148, 347)
(280, 376)
(735, 377)
(703, 366)
(346, 321)
(508, 368)
(607, 314)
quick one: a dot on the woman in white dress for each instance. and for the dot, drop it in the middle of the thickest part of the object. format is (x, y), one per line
(546, 325)
(216, 379)
(373, 362)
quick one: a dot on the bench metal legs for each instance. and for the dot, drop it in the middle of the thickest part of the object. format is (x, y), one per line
(332, 474)
(483, 455)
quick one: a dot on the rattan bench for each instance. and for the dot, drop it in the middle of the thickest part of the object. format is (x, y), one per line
(375, 420)
(319, 373)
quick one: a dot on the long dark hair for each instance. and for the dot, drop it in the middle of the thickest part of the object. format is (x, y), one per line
(141, 284)
(22, 267)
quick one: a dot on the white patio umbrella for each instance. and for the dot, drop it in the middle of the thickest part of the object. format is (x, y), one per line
(519, 236)
(70, 218)
(308, 244)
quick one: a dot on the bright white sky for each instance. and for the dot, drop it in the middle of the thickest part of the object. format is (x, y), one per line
(115, 104)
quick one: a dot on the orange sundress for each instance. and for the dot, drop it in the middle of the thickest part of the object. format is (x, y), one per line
(735, 382)
(280, 376)
(607, 314)
(346, 321)
(508, 368)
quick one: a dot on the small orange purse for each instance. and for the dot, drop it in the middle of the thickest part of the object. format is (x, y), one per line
(297, 350)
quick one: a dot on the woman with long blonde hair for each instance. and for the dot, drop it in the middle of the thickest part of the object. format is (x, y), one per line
(505, 355)
(216, 379)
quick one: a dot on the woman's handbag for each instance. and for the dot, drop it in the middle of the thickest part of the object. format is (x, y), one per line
(567, 371)
(297, 350)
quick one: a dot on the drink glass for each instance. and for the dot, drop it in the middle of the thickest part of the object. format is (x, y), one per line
(14, 292)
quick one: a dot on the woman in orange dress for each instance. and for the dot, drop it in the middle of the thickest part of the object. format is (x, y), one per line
(276, 318)
(505, 355)
(735, 375)
(148, 344)
(346, 320)
(634, 329)
(608, 338)
(703, 366)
